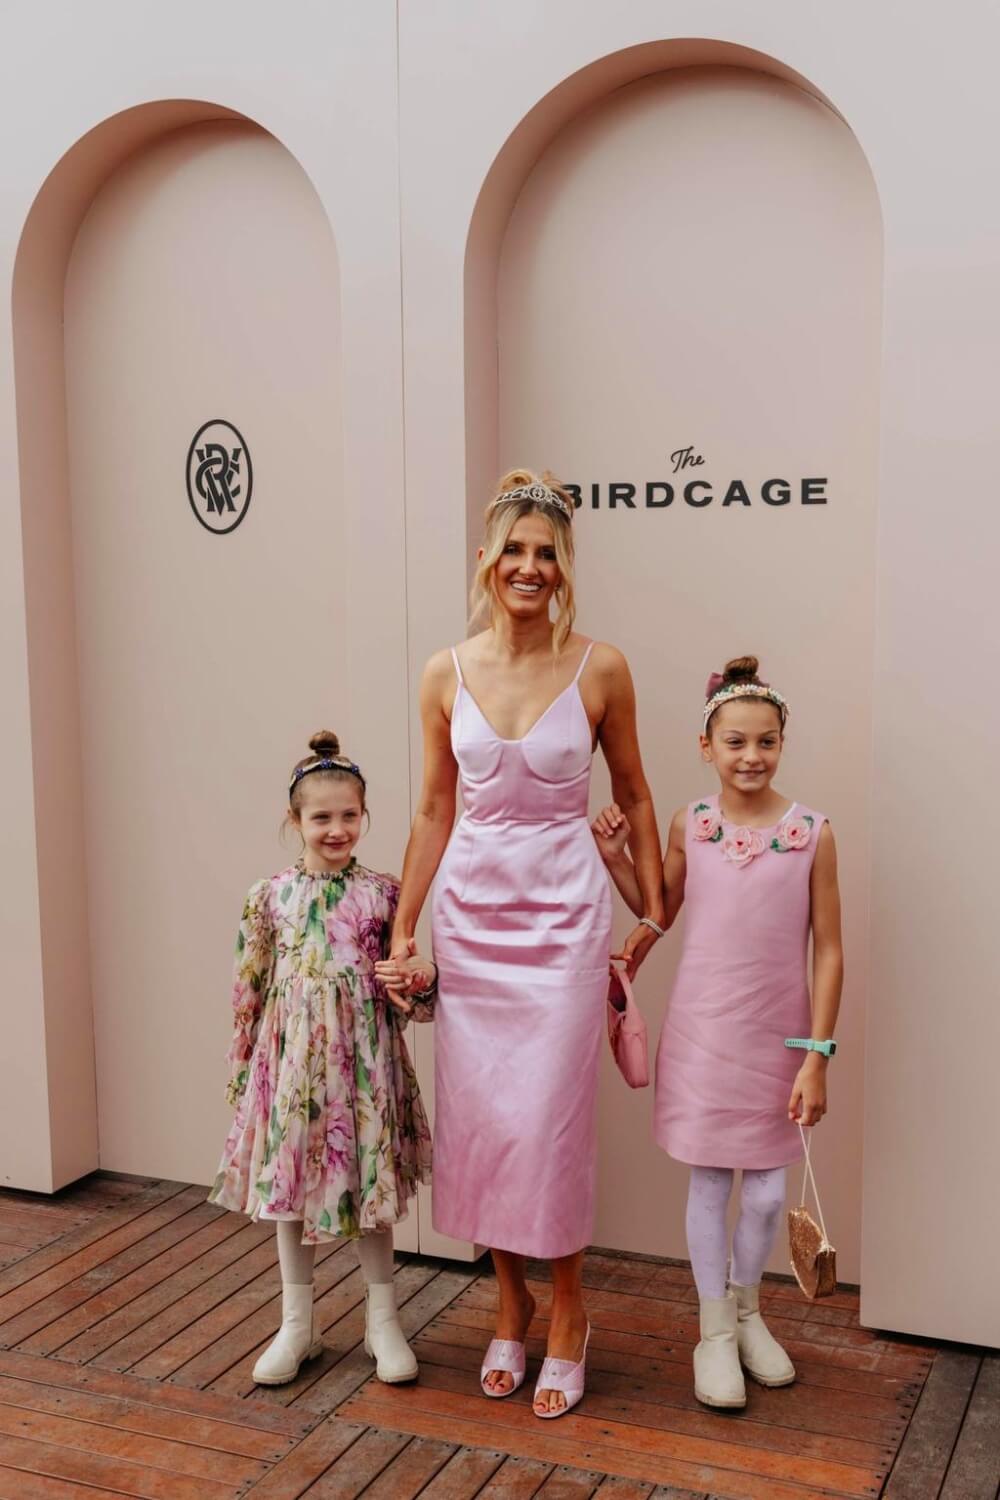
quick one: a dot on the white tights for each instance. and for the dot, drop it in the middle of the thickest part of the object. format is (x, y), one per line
(297, 1260)
(762, 1197)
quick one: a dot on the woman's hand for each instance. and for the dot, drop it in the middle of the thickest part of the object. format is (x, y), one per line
(611, 831)
(635, 948)
(807, 1105)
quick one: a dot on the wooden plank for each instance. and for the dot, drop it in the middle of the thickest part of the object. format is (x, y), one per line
(639, 1412)
(365, 1461)
(338, 1287)
(516, 1479)
(214, 1310)
(679, 1320)
(324, 1389)
(923, 1459)
(42, 1329)
(613, 1488)
(115, 1474)
(190, 1239)
(182, 1300)
(15, 1484)
(633, 1453)
(565, 1483)
(875, 1419)
(39, 1276)
(839, 1368)
(176, 1457)
(170, 1277)
(134, 1416)
(409, 1473)
(974, 1471)
(343, 1331)
(309, 1459)
(464, 1475)
(341, 1319)
(52, 1372)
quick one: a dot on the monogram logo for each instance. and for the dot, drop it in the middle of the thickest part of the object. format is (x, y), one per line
(219, 476)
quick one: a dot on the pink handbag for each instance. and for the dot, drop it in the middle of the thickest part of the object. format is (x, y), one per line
(627, 1031)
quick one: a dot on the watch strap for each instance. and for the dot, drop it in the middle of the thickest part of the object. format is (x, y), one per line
(828, 1048)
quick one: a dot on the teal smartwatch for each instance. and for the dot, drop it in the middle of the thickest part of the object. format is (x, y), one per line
(827, 1048)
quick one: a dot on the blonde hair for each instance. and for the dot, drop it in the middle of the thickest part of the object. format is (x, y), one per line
(500, 522)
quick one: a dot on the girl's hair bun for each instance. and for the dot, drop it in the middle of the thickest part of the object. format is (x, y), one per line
(741, 669)
(324, 742)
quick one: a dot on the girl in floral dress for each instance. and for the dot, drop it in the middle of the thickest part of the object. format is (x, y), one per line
(330, 1137)
(758, 874)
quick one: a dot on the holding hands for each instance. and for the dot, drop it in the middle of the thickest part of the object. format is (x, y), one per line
(612, 830)
(407, 976)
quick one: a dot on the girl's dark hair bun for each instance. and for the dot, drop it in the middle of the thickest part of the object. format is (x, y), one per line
(324, 742)
(741, 669)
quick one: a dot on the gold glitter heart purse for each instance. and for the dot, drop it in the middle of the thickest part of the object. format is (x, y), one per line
(814, 1260)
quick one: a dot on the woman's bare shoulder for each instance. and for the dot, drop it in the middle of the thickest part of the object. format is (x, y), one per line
(607, 659)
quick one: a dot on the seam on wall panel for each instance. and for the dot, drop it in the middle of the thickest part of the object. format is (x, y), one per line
(403, 450)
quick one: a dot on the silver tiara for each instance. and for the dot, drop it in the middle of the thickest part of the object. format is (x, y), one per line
(539, 493)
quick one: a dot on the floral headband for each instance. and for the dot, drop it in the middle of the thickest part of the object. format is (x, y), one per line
(325, 763)
(718, 691)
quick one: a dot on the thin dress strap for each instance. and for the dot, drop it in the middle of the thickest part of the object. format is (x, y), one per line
(579, 670)
(458, 669)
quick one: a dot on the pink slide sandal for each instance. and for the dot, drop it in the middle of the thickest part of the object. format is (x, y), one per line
(563, 1375)
(503, 1354)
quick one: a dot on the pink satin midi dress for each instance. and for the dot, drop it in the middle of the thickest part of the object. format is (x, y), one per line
(723, 1072)
(522, 936)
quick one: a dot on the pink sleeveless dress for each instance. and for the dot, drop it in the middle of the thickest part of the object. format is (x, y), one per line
(522, 936)
(723, 1073)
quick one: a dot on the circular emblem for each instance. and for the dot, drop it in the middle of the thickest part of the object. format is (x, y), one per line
(219, 476)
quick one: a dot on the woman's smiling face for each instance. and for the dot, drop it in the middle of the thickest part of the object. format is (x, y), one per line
(527, 572)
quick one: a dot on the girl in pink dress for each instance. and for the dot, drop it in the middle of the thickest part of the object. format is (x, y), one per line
(522, 921)
(758, 873)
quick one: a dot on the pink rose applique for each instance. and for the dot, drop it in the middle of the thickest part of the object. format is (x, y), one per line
(794, 832)
(707, 823)
(741, 845)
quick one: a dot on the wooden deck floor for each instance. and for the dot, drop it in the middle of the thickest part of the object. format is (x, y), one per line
(131, 1313)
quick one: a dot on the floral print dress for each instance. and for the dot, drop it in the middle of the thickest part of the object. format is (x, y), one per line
(329, 1126)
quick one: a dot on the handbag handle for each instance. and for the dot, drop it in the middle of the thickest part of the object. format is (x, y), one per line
(808, 1172)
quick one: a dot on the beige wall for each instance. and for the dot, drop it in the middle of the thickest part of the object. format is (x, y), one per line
(697, 259)
(419, 132)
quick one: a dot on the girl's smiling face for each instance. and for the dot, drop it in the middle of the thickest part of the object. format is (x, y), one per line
(527, 571)
(329, 819)
(744, 743)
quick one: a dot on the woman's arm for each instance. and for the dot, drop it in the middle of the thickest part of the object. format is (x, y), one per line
(808, 1101)
(617, 737)
(435, 813)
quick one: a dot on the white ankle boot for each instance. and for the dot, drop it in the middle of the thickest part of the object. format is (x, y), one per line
(296, 1339)
(718, 1379)
(385, 1341)
(761, 1354)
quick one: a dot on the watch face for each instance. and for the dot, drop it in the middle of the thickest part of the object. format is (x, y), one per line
(831, 1048)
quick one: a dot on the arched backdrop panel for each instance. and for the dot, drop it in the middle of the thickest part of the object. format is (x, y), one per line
(202, 283)
(694, 263)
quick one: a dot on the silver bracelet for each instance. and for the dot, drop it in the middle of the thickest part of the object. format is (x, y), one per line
(653, 926)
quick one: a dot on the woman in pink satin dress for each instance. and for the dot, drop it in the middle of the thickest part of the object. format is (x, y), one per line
(522, 921)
